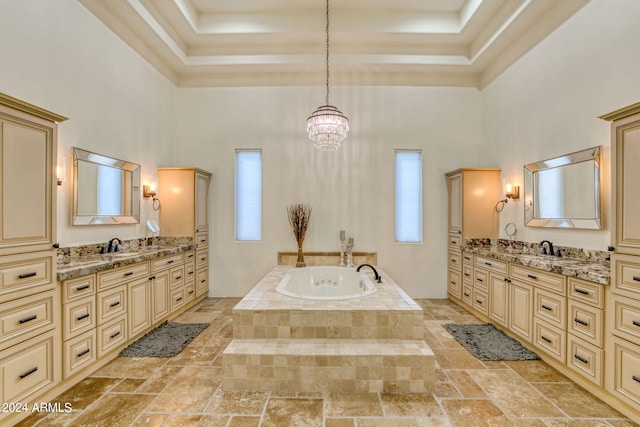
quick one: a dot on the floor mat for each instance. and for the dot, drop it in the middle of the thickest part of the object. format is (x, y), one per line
(486, 342)
(166, 341)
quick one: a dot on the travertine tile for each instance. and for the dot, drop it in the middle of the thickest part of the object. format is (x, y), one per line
(468, 388)
(473, 412)
(150, 420)
(239, 403)
(114, 409)
(352, 405)
(293, 412)
(86, 392)
(576, 401)
(410, 405)
(536, 371)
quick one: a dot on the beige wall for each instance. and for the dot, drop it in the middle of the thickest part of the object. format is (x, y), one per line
(58, 56)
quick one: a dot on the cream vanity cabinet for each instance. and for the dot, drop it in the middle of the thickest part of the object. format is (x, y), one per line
(29, 303)
(185, 200)
(623, 303)
(472, 194)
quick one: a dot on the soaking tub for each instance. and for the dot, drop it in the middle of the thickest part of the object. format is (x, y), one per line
(325, 283)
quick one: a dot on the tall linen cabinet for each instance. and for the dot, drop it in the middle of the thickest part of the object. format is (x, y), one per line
(184, 195)
(30, 339)
(623, 303)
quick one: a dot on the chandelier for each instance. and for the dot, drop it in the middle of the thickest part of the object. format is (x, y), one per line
(327, 127)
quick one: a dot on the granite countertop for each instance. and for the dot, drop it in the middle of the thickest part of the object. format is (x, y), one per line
(593, 271)
(76, 266)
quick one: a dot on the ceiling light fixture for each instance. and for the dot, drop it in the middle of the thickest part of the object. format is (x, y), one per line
(327, 127)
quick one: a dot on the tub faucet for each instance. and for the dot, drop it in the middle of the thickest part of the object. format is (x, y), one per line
(549, 246)
(350, 253)
(376, 276)
(114, 247)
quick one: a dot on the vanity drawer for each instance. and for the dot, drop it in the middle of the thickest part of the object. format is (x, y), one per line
(455, 260)
(28, 368)
(551, 281)
(118, 276)
(586, 292)
(78, 317)
(189, 272)
(491, 264)
(202, 259)
(467, 293)
(80, 287)
(626, 275)
(481, 279)
(454, 241)
(467, 274)
(481, 302)
(202, 240)
(111, 334)
(467, 258)
(585, 358)
(112, 303)
(550, 307)
(189, 292)
(626, 317)
(454, 283)
(26, 318)
(25, 274)
(585, 322)
(176, 277)
(550, 339)
(79, 352)
(177, 299)
(202, 282)
(625, 382)
(166, 262)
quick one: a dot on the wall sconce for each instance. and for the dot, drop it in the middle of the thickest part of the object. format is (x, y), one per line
(150, 191)
(60, 173)
(512, 192)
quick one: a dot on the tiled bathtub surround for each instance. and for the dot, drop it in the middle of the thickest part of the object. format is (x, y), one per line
(327, 258)
(583, 264)
(278, 340)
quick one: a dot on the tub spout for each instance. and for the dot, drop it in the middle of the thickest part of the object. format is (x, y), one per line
(376, 276)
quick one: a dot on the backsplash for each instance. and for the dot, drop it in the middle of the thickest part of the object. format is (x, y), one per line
(517, 246)
(74, 252)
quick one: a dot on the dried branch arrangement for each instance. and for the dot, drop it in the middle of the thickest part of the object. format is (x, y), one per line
(299, 215)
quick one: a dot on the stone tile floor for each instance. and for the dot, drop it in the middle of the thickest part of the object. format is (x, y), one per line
(185, 390)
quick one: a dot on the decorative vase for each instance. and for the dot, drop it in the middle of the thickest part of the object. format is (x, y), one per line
(300, 261)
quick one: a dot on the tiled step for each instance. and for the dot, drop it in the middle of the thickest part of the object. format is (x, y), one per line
(332, 365)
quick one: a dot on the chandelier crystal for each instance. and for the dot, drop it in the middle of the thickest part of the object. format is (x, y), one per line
(327, 127)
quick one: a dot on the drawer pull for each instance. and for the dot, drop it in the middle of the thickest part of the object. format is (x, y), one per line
(467, 294)
(29, 372)
(453, 282)
(582, 359)
(28, 319)
(467, 258)
(203, 280)
(115, 334)
(178, 277)
(170, 261)
(190, 256)
(191, 272)
(479, 301)
(152, 278)
(204, 240)
(546, 339)
(114, 304)
(479, 280)
(84, 316)
(487, 263)
(466, 275)
(82, 288)
(582, 291)
(636, 278)
(635, 378)
(546, 307)
(178, 299)
(33, 273)
(532, 276)
(190, 292)
(83, 352)
(128, 273)
(453, 260)
(582, 322)
(636, 323)
(203, 259)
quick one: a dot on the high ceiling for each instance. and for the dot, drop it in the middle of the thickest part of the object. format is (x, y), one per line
(205, 43)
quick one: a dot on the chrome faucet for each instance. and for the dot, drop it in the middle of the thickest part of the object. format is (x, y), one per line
(549, 249)
(376, 276)
(112, 247)
(349, 250)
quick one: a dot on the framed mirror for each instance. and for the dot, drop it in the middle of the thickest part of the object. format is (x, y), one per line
(564, 192)
(105, 190)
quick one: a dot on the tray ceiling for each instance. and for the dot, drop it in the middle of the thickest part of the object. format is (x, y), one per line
(205, 43)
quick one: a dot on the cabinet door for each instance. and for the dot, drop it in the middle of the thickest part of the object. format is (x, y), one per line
(139, 306)
(521, 313)
(160, 295)
(455, 204)
(626, 152)
(498, 298)
(202, 191)
(26, 183)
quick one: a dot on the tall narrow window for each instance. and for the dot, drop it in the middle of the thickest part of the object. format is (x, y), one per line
(248, 195)
(408, 196)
